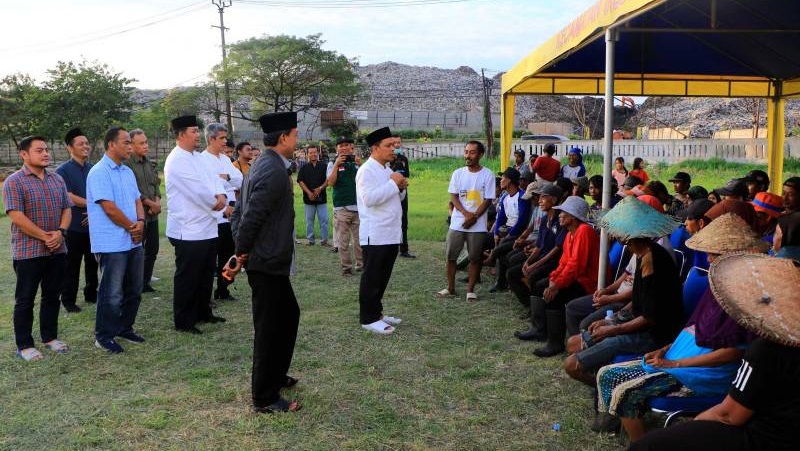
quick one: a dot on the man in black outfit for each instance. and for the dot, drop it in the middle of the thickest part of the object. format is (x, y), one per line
(400, 164)
(263, 226)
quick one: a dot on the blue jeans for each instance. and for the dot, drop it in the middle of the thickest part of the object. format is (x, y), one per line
(120, 292)
(321, 210)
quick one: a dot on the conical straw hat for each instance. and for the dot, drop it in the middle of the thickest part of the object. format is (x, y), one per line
(760, 293)
(728, 233)
(631, 218)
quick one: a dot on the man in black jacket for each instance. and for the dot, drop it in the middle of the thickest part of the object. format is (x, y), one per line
(263, 225)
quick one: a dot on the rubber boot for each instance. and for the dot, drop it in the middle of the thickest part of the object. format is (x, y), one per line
(556, 328)
(538, 329)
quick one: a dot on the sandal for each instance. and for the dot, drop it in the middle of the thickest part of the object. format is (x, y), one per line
(30, 354)
(279, 406)
(57, 346)
(391, 320)
(290, 382)
(379, 327)
(442, 294)
(472, 296)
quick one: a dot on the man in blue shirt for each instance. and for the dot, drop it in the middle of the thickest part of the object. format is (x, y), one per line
(116, 226)
(74, 172)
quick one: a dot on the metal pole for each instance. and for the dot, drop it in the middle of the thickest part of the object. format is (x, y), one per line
(608, 141)
(221, 5)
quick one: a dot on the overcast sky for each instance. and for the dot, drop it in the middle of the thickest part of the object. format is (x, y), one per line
(167, 43)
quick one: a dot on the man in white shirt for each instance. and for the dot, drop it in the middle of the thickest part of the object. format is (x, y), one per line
(379, 191)
(193, 202)
(218, 165)
(472, 189)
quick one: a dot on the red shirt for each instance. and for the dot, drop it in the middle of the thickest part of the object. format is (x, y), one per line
(641, 173)
(547, 167)
(580, 260)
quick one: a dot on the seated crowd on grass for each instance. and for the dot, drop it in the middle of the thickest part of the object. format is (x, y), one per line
(659, 329)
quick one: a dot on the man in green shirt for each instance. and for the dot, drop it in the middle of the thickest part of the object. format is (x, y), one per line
(150, 188)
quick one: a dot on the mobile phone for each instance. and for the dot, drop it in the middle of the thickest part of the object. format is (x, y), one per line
(586, 337)
(349, 158)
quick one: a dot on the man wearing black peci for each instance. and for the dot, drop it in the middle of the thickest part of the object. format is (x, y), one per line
(400, 164)
(263, 227)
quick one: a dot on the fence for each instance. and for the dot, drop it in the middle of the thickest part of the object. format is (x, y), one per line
(669, 151)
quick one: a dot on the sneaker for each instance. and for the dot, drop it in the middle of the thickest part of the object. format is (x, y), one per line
(109, 345)
(324, 243)
(148, 289)
(335, 250)
(133, 337)
(347, 272)
(72, 308)
(154, 279)
(310, 243)
(407, 255)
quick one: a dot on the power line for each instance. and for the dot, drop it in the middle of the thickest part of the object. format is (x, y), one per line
(78, 39)
(349, 4)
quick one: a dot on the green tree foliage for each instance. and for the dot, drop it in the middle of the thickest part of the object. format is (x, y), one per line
(202, 99)
(91, 96)
(287, 73)
(18, 112)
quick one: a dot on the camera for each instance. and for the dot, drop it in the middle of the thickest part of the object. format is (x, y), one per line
(349, 158)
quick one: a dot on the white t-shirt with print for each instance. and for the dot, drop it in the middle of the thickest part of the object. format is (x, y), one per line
(472, 188)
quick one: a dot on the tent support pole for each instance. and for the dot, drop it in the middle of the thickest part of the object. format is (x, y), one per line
(612, 36)
(776, 129)
(506, 133)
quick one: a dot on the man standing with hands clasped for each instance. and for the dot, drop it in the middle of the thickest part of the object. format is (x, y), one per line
(116, 227)
(263, 227)
(378, 193)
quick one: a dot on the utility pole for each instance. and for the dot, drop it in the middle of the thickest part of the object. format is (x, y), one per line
(221, 5)
(487, 113)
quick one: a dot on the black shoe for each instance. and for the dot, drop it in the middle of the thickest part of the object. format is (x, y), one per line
(72, 308)
(498, 288)
(133, 337)
(605, 422)
(226, 297)
(335, 250)
(531, 334)
(190, 330)
(213, 319)
(109, 345)
(148, 289)
(407, 255)
(556, 328)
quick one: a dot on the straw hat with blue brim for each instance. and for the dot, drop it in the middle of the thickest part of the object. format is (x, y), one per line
(631, 218)
(725, 234)
(760, 293)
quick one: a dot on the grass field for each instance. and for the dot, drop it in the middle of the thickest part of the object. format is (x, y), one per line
(452, 377)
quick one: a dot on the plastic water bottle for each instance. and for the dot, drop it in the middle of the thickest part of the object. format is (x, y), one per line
(556, 426)
(609, 319)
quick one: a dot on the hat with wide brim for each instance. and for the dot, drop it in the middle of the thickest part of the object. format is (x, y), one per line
(631, 218)
(760, 293)
(728, 233)
(575, 206)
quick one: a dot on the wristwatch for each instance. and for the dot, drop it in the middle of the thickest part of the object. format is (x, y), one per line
(63, 232)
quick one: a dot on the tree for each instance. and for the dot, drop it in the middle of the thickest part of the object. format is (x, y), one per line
(87, 95)
(202, 99)
(286, 73)
(18, 115)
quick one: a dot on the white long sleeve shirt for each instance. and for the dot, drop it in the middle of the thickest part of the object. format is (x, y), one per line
(221, 164)
(191, 196)
(379, 206)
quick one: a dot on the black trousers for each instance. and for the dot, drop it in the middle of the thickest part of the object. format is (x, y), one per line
(193, 281)
(151, 245)
(275, 319)
(225, 249)
(404, 223)
(575, 290)
(378, 265)
(507, 259)
(79, 249)
(696, 435)
(48, 273)
(500, 251)
(520, 290)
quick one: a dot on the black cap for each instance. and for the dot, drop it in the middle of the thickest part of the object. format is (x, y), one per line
(276, 122)
(378, 136)
(681, 177)
(549, 189)
(757, 176)
(72, 134)
(696, 210)
(183, 122)
(697, 192)
(512, 174)
(632, 181)
(344, 139)
(519, 152)
(735, 187)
